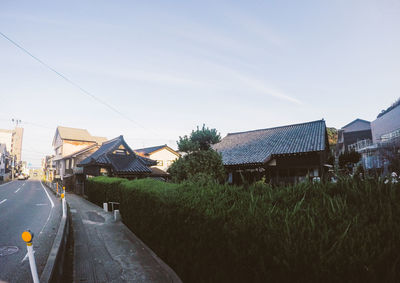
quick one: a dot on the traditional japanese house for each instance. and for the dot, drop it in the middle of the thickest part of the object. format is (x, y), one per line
(116, 158)
(286, 154)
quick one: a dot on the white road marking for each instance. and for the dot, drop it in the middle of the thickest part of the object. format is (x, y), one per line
(40, 204)
(52, 203)
(3, 201)
(17, 190)
(51, 210)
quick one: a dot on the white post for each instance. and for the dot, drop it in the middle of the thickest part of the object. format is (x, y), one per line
(105, 206)
(27, 236)
(32, 263)
(64, 206)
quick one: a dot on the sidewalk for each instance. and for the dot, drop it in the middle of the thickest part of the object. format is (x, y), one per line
(105, 251)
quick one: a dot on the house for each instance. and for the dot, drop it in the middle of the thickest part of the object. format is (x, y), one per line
(387, 125)
(163, 154)
(116, 158)
(66, 142)
(74, 177)
(354, 135)
(384, 152)
(286, 154)
(49, 167)
(4, 162)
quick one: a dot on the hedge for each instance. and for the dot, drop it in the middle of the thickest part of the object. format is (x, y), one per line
(348, 231)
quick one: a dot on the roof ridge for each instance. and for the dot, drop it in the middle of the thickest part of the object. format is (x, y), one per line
(113, 140)
(285, 126)
(358, 119)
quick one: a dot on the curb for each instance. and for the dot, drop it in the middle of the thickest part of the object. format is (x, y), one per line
(53, 269)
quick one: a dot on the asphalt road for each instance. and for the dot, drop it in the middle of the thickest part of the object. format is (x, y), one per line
(26, 205)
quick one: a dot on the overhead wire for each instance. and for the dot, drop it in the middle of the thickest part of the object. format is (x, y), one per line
(112, 108)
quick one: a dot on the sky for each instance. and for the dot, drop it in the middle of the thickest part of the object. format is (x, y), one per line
(167, 67)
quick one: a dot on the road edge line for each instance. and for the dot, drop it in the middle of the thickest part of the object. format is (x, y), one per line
(52, 203)
(53, 269)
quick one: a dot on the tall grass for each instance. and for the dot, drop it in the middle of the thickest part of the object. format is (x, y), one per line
(348, 231)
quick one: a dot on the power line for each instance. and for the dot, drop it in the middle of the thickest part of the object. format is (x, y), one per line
(75, 84)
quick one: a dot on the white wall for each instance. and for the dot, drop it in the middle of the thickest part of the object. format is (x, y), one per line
(6, 138)
(164, 155)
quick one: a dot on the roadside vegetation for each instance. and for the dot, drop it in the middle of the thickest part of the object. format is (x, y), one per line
(347, 231)
(199, 163)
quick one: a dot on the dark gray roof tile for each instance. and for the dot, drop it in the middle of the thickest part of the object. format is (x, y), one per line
(259, 145)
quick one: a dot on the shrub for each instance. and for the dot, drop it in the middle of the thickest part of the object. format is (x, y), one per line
(347, 231)
(206, 162)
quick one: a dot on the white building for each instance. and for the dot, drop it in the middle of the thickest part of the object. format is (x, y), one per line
(163, 154)
(3, 161)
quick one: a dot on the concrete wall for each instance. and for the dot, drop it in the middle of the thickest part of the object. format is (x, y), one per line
(70, 147)
(385, 124)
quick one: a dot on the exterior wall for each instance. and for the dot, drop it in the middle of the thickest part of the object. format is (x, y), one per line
(165, 156)
(353, 137)
(385, 124)
(70, 147)
(6, 137)
(17, 143)
(285, 169)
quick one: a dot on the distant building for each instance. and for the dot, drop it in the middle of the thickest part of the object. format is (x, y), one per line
(4, 162)
(387, 124)
(116, 158)
(13, 141)
(385, 149)
(68, 141)
(49, 167)
(287, 154)
(163, 154)
(356, 131)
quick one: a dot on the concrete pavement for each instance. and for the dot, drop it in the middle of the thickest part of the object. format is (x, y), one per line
(25, 205)
(105, 251)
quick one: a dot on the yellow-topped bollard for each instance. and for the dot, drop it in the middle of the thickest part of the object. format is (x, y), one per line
(62, 195)
(27, 236)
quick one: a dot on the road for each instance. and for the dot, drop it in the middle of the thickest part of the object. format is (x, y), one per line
(26, 205)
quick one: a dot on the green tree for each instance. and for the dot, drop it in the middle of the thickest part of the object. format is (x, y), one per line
(201, 139)
(201, 162)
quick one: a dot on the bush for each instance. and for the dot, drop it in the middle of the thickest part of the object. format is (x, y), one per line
(204, 163)
(348, 231)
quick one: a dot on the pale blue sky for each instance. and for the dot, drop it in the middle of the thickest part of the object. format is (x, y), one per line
(173, 65)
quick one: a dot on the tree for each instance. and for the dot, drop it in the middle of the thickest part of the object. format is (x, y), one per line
(201, 139)
(201, 161)
(206, 164)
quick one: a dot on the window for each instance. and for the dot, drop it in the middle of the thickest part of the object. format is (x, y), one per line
(160, 163)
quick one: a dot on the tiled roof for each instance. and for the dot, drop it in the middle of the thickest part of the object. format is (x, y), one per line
(148, 150)
(76, 134)
(131, 163)
(258, 146)
(99, 140)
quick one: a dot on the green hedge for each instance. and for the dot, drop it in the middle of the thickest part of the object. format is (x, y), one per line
(348, 231)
